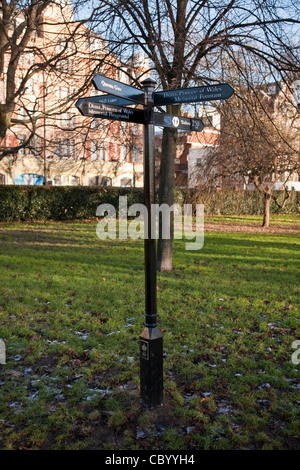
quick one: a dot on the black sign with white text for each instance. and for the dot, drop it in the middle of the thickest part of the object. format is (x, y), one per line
(178, 122)
(110, 111)
(128, 92)
(108, 99)
(190, 95)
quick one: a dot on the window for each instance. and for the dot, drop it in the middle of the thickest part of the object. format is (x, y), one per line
(94, 92)
(271, 89)
(66, 149)
(65, 120)
(20, 80)
(22, 113)
(64, 65)
(35, 145)
(94, 124)
(29, 179)
(102, 152)
(99, 181)
(216, 121)
(123, 153)
(93, 181)
(29, 58)
(106, 181)
(94, 150)
(61, 45)
(72, 148)
(136, 129)
(125, 182)
(22, 150)
(96, 44)
(136, 153)
(29, 86)
(59, 149)
(22, 58)
(62, 93)
(73, 121)
(65, 180)
(2, 179)
(69, 180)
(39, 30)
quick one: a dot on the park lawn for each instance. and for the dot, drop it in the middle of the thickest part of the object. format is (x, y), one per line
(256, 220)
(72, 310)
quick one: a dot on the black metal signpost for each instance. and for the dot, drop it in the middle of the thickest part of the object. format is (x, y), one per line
(114, 106)
(151, 341)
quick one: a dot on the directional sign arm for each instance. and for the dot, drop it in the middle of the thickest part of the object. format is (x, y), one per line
(108, 99)
(178, 122)
(110, 111)
(116, 88)
(190, 95)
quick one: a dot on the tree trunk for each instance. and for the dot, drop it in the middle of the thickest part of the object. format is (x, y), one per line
(5, 117)
(267, 204)
(166, 196)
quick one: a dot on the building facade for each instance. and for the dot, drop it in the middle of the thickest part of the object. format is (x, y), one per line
(67, 148)
(53, 144)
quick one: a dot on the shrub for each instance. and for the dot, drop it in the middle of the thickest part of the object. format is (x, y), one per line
(81, 202)
(59, 202)
(229, 202)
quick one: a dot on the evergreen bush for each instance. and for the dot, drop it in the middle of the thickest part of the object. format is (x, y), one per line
(81, 202)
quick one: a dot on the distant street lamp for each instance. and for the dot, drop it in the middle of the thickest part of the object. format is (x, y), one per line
(44, 125)
(296, 88)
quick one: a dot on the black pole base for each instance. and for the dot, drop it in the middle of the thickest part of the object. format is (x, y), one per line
(151, 367)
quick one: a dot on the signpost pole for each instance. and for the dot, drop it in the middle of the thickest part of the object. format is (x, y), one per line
(151, 342)
(112, 106)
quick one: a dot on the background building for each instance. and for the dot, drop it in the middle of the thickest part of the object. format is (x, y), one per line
(67, 148)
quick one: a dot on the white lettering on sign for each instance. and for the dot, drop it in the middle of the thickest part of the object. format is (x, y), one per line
(106, 108)
(191, 92)
(205, 93)
(185, 122)
(108, 85)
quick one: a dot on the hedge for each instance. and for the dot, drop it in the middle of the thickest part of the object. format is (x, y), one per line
(60, 202)
(81, 202)
(230, 202)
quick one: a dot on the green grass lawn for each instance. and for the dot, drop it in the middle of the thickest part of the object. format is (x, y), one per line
(278, 219)
(72, 310)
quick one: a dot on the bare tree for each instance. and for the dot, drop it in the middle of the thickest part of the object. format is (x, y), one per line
(182, 38)
(45, 64)
(48, 55)
(259, 141)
